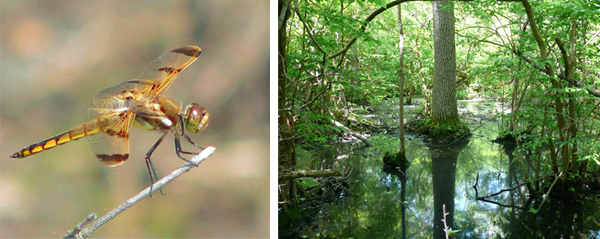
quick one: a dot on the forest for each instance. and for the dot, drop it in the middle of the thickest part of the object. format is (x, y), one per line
(438, 119)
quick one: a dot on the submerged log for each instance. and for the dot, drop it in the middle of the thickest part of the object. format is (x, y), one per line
(351, 132)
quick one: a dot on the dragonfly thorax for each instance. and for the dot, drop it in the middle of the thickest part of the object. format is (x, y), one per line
(155, 114)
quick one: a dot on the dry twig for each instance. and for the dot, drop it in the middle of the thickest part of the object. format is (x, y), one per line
(446, 228)
(78, 232)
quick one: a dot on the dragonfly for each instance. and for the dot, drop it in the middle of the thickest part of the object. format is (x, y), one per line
(140, 103)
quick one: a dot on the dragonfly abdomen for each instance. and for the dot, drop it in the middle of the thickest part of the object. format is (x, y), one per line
(60, 139)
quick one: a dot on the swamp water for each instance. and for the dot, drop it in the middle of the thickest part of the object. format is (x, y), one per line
(389, 203)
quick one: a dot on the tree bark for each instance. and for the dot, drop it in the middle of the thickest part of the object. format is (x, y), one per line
(444, 106)
(285, 121)
(401, 81)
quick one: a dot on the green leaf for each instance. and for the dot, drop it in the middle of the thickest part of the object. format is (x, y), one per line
(308, 182)
(361, 3)
(452, 232)
(532, 210)
(381, 3)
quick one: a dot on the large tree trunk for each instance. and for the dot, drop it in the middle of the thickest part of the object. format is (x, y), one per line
(444, 107)
(401, 81)
(286, 143)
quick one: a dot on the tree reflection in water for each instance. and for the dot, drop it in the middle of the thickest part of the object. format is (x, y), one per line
(392, 204)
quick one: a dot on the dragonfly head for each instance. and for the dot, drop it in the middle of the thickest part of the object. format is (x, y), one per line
(195, 118)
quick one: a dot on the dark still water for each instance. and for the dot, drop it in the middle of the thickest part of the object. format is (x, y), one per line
(388, 203)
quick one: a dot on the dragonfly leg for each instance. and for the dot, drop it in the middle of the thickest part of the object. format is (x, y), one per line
(192, 142)
(185, 135)
(182, 123)
(179, 151)
(150, 167)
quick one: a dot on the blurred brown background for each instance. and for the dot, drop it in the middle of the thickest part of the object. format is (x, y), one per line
(55, 55)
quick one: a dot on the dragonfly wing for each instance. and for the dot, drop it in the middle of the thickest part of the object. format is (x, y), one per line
(163, 71)
(111, 145)
(117, 96)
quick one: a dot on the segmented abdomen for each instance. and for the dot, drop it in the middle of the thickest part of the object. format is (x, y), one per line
(73, 134)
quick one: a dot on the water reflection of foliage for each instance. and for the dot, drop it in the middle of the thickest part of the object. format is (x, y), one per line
(375, 208)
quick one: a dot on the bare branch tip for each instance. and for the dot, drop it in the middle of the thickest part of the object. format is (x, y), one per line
(80, 232)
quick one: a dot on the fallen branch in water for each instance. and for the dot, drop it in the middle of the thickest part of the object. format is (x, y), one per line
(549, 190)
(351, 132)
(484, 198)
(78, 232)
(508, 189)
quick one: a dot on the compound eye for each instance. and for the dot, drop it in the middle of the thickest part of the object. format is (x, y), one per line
(196, 118)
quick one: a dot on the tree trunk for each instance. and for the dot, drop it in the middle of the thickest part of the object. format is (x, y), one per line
(285, 121)
(444, 106)
(550, 71)
(401, 81)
